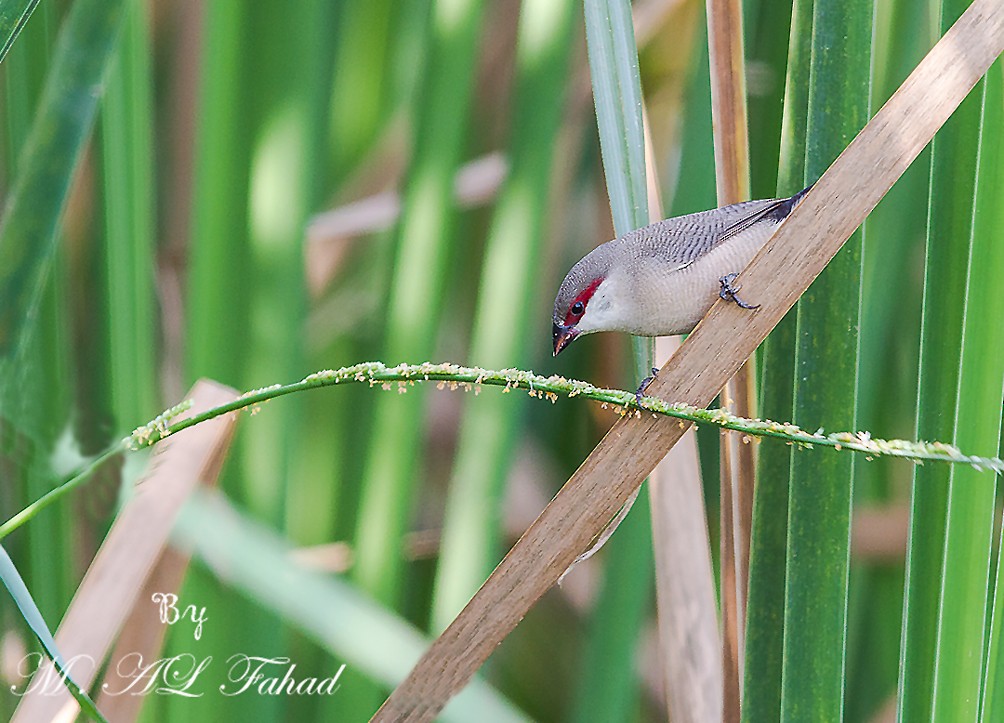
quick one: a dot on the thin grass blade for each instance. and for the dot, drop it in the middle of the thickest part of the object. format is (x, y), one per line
(989, 217)
(613, 65)
(29, 611)
(769, 538)
(826, 360)
(130, 241)
(420, 272)
(14, 16)
(53, 148)
(471, 532)
(949, 232)
(958, 677)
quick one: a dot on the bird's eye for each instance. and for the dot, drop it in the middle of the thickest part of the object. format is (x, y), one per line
(577, 308)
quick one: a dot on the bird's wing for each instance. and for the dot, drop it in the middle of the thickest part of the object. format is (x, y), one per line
(682, 240)
(770, 212)
(775, 211)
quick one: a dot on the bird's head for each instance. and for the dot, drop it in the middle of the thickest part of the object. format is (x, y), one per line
(586, 300)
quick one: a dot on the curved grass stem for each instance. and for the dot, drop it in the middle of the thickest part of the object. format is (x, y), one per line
(452, 376)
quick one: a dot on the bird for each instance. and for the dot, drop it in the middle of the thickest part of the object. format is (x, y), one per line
(662, 279)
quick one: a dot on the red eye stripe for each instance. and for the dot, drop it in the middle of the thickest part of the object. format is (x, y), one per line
(584, 297)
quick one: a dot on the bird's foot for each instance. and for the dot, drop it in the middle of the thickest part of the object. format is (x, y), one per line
(639, 392)
(731, 293)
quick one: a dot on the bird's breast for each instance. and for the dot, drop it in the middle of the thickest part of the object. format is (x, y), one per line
(671, 300)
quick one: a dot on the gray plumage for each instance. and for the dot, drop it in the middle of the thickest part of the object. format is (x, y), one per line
(661, 279)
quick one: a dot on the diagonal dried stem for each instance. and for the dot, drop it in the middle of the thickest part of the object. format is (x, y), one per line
(780, 273)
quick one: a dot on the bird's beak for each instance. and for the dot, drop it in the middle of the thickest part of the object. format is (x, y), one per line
(563, 336)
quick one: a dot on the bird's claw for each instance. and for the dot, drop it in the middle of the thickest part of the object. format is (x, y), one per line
(731, 293)
(639, 392)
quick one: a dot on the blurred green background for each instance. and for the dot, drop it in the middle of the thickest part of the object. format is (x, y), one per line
(269, 189)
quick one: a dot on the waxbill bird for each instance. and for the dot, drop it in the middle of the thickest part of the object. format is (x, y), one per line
(661, 279)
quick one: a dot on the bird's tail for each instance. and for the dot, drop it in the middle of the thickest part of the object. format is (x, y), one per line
(776, 212)
(785, 206)
(798, 196)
